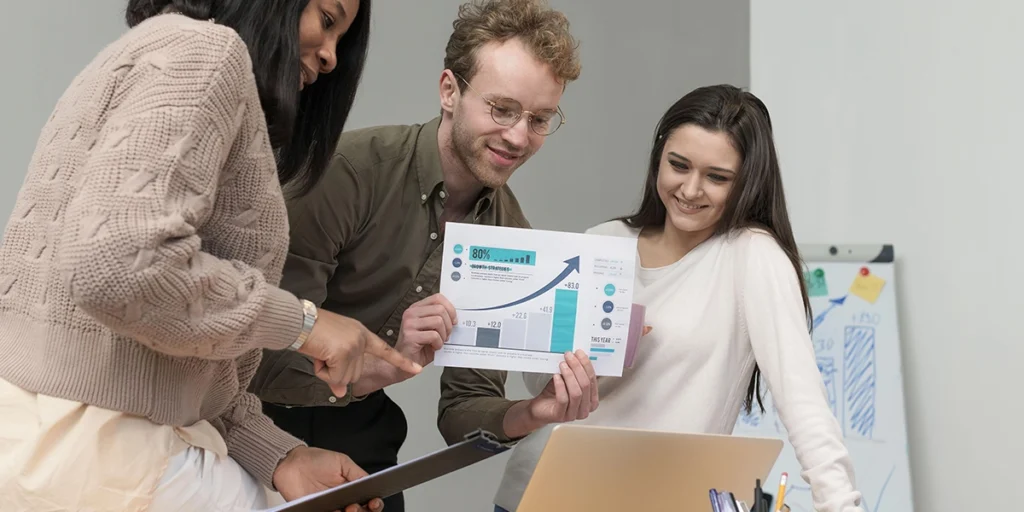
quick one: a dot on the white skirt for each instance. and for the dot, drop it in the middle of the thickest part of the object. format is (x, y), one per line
(58, 455)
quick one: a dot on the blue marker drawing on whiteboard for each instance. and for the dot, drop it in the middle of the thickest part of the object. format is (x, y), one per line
(751, 419)
(865, 503)
(827, 367)
(859, 381)
(832, 305)
(881, 494)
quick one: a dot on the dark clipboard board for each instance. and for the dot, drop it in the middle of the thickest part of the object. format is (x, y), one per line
(477, 446)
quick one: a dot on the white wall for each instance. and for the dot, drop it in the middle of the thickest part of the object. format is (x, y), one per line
(899, 121)
(43, 46)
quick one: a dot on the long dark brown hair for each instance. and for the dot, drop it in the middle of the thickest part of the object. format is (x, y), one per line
(304, 127)
(756, 200)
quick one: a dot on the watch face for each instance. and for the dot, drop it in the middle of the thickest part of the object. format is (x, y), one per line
(309, 309)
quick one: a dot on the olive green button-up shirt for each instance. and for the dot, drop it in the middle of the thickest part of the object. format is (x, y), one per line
(367, 243)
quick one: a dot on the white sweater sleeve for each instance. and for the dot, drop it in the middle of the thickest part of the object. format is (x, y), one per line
(777, 326)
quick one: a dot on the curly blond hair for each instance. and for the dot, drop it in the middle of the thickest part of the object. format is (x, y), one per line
(544, 31)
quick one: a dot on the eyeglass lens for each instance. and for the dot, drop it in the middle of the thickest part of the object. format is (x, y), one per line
(507, 112)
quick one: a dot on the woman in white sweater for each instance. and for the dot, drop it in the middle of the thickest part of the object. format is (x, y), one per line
(719, 273)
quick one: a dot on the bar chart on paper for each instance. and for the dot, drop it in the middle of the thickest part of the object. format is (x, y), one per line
(525, 297)
(551, 329)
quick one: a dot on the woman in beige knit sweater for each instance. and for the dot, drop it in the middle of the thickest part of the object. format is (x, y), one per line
(139, 269)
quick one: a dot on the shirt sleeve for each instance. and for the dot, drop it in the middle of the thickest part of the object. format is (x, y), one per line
(777, 326)
(322, 222)
(133, 257)
(472, 399)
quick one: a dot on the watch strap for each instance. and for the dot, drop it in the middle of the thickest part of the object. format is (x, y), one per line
(309, 314)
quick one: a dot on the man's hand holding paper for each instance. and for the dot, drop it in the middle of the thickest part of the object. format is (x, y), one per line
(426, 326)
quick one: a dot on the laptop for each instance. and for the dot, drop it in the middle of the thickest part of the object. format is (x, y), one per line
(594, 469)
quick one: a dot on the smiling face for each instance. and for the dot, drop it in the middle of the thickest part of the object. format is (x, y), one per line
(321, 25)
(697, 171)
(489, 151)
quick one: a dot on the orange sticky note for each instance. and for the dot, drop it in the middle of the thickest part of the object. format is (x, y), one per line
(867, 286)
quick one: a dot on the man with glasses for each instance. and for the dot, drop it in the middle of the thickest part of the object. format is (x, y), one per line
(367, 241)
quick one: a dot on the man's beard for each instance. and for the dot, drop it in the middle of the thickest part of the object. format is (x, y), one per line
(476, 160)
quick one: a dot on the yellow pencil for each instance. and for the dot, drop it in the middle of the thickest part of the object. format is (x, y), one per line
(779, 501)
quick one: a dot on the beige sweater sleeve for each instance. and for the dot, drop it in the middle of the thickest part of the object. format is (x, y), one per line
(135, 261)
(252, 438)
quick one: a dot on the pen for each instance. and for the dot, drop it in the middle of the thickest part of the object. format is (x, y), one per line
(714, 501)
(782, 492)
(758, 499)
(730, 500)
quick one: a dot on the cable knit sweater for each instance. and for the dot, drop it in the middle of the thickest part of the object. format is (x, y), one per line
(139, 269)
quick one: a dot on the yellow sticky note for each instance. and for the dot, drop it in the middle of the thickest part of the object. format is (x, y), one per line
(867, 287)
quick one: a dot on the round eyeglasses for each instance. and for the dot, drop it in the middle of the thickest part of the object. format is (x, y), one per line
(508, 112)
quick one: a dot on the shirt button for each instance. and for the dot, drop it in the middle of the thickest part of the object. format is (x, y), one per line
(442, 194)
(419, 289)
(433, 236)
(391, 332)
(423, 197)
(332, 399)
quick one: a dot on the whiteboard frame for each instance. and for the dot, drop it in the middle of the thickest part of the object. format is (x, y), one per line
(867, 253)
(859, 253)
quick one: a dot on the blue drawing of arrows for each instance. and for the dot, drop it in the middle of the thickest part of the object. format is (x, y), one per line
(571, 265)
(832, 305)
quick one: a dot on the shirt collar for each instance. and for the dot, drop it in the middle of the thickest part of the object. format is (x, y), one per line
(428, 160)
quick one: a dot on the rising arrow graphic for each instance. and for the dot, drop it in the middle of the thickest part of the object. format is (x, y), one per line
(571, 265)
(832, 304)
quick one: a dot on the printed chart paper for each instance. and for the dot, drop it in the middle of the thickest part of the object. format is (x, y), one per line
(524, 297)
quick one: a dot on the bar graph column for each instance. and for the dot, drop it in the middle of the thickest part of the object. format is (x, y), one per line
(859, 382)
(463, 335)
(538, 332)
(487, 337)
(513, 334)
(563, 327)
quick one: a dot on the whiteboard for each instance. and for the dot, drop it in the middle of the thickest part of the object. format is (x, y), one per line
(856, 339)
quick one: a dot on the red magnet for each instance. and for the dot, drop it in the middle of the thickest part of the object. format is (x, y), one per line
(864, 271)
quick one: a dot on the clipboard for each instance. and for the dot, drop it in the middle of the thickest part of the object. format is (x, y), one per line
(477, 446)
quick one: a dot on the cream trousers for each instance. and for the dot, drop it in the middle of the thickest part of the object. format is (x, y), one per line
(61, 455)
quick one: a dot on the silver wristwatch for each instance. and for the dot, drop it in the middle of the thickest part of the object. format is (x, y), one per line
(308, 319)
